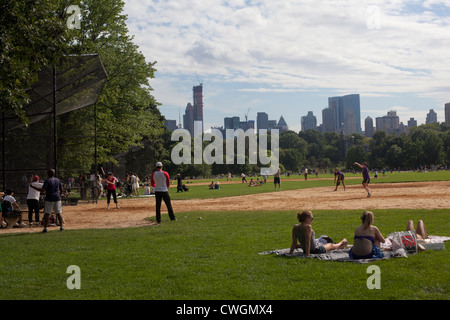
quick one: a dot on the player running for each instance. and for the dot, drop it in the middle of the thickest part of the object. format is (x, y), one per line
(366, 176)
(338, 178)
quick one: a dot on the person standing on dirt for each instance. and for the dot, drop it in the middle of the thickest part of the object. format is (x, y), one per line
(53, 192)
(366, 176)
(111, 190)
(338, 178)
(160, 180)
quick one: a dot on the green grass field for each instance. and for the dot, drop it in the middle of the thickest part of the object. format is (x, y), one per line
(292, 183)
(217, 258)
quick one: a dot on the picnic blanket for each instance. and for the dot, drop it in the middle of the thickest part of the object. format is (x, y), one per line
(341, 255)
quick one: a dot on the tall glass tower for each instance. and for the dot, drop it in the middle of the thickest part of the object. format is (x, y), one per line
(347, 111)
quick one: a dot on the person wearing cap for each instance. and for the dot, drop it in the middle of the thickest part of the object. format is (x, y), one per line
(33, 200)
(160, 180)
(53, 192)
(111, 190)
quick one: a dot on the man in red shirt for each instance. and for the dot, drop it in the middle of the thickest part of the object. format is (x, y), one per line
(160, 180)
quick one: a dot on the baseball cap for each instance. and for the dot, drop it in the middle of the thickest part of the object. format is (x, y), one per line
(158, 164)
(36, 178)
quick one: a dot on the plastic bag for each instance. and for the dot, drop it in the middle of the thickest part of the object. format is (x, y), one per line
(406, 240)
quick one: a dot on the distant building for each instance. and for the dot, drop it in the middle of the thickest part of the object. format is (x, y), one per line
(431, 117)
(389, 123)
(347, 113)
(232, 123)
(198, 104)
(368, 127)
(328, 120)
(282, 125)
(272, 124)
(262, 121)
(194, 113)
(447, 113)
(171, 124)
(188, 119)
(309, 122)
(412, 123)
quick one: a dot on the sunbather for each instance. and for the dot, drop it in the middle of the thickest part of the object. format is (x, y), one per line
(367, 239)
(421, 231)
(305, 235)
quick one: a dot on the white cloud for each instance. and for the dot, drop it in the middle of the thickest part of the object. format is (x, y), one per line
(294, 46)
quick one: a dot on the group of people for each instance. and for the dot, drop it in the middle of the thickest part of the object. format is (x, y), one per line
(51, 187)
(367, 237)
(214, 185)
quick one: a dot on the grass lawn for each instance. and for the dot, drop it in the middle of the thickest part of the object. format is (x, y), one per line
(217, 258)
(290, 183)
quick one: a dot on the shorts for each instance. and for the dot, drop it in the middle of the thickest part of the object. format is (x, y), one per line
(366, 181)
(319, 250)
(276, 180)
(51, 206)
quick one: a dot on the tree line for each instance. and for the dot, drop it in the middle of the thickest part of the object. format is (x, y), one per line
(424, 146)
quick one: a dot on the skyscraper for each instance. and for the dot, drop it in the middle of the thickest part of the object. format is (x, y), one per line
(368, 127)
(447, 113)
(347, 113)
(194, 113)
(198, 103)
(328, 120)
(309, 121)
(262, 121)
(412, 123)
(431, 117)
(188, 119)
(282, 125)
(389, 123)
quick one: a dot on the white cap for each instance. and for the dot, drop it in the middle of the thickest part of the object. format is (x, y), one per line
(158, 164)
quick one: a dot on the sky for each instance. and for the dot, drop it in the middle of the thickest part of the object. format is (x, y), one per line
(287, 57)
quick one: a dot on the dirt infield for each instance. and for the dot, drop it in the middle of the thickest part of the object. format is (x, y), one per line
(133, 211)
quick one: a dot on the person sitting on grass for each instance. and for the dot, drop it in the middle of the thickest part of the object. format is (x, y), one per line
(211, 185)
(305, 235)
(367, 239)
(217, 185)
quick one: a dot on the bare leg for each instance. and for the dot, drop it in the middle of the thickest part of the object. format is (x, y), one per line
(335, 246)
(410, 226)
(421, 230)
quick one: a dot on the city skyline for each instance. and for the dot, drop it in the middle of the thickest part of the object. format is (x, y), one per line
(288, 58)
(309, 121)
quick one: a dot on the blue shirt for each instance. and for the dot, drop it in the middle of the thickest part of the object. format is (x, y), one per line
(52, 186)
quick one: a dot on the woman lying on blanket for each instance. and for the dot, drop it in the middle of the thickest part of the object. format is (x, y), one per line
(304, 234)
(367, 239)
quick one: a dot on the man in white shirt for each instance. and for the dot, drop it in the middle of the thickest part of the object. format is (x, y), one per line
(33, 200)
(8, 205)
(160, 180)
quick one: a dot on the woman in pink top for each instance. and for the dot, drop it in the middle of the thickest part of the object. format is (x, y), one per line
(111, 189)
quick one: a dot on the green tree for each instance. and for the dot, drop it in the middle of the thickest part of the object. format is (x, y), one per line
(32, 35)
(354, 153)
(127, 112)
